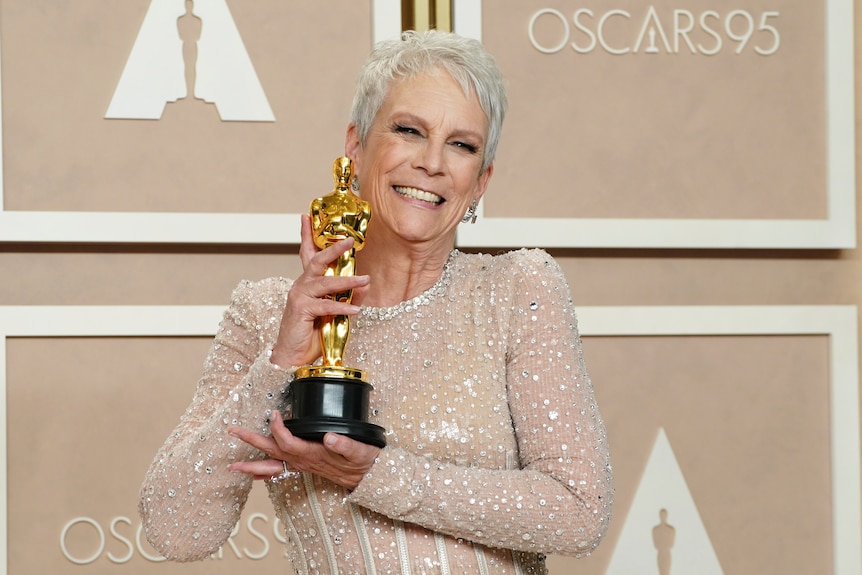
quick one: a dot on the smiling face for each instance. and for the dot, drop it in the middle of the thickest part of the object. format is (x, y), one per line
(420, 165)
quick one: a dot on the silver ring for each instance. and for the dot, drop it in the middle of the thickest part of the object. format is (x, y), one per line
(286, 474)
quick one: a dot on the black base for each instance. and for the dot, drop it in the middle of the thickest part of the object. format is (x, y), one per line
(314, 429)
(318, 405)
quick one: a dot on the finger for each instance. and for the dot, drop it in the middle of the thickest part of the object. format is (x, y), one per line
(287, 443)
(323, 295)
(351, 450)
(328, 255)
(337, 444)
(261, 442)
(264, 468)
(350, 459)
(276, 423)
(307, 249)
(309, 252)
(330, 285)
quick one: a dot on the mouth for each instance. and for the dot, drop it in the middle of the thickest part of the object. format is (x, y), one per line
(417, 194)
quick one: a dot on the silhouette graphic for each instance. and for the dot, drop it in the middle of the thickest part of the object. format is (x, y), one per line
(652, 48)
(184, 49)
(663, 488)
(663, 536)
(189, 28)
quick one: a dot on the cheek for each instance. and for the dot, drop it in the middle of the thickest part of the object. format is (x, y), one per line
(466, 167)
(373, 179)
(380, 160)
(468, 181)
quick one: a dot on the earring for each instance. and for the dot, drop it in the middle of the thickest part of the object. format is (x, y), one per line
(354, 184)
(470, 214)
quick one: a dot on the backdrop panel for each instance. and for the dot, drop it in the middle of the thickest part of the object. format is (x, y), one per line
(216, 126)
(663, 125)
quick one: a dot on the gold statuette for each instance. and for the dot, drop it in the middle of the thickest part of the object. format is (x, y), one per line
(332, 397)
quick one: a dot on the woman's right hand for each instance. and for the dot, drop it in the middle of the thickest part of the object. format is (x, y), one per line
(298, 342)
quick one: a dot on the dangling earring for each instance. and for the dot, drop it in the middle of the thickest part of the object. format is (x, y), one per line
(354, 184)
(470, 214)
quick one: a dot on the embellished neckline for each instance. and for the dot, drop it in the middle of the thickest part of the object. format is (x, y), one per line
(425, 298)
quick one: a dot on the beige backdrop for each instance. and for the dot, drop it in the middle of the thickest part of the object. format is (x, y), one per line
(664, 135)
(62, 155)
(724, 136)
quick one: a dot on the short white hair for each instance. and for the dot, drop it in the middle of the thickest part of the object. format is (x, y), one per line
(416, 53)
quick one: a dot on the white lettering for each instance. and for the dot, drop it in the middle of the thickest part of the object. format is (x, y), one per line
(121, 527)
(682, 32)
(278, 532)
(559, 15)
(587, 32)
(711, 32)
(602, 21)
(119, 537)
(652, 16)
(257, 535)
(619, 32)
(772, 30)
(65, 531)
(746, 35)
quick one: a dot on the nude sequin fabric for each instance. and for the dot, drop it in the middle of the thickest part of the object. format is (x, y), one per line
(496, 453)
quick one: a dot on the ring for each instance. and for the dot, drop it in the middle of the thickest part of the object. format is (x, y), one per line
(286, 474)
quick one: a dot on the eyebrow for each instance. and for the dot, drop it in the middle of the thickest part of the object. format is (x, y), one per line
(459, 132)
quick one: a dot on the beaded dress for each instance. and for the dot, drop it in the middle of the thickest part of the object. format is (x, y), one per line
(496, 451)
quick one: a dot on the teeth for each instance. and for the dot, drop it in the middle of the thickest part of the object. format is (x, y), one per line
(418, 194)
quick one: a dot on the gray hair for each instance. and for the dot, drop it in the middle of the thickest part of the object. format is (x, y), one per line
(415, 53)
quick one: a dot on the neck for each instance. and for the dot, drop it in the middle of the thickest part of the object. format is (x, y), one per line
(398, 275)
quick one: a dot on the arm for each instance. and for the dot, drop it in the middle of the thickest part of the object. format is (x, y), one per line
(559, 501)
(189, 500)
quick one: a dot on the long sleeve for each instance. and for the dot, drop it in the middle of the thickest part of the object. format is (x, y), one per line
(189, 500)
(558, 499)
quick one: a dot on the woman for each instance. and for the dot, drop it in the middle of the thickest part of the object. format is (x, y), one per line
(496, 453)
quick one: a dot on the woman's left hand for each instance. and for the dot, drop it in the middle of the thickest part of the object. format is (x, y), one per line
(340, 459)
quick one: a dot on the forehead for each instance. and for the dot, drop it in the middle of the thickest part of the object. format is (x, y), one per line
(434, 92)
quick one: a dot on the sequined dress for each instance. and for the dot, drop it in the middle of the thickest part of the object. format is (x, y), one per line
(496, 452)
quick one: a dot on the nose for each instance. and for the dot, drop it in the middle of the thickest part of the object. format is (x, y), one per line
(431, 157)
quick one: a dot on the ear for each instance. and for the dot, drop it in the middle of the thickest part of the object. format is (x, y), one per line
(482, 184)
(352, 145)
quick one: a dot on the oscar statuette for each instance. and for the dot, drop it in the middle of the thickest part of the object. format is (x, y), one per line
(331, 397)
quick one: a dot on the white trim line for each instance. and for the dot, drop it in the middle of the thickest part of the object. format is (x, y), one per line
(148, 227)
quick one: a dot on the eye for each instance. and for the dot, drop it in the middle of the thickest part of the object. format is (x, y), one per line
(404, 129)
(466, 146)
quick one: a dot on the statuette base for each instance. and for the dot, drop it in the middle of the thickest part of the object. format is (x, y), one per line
(319, 405)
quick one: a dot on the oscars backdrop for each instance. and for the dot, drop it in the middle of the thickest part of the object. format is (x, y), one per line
(691, 166)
